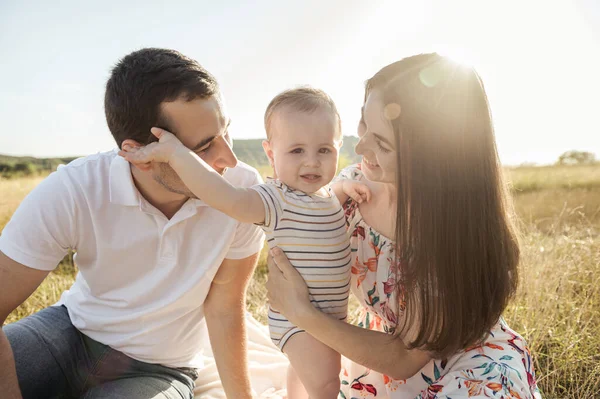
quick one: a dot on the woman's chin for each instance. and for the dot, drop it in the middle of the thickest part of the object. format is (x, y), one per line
(376, 174)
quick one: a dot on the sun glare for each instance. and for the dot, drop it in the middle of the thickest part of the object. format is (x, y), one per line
(462, 56)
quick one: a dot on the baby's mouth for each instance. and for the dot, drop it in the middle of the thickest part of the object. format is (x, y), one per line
(310, 177)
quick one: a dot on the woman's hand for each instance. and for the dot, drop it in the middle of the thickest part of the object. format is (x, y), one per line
(161, 151)
(287, 290)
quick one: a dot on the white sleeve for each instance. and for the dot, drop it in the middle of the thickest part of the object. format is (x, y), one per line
(42, 229)
(249, 238)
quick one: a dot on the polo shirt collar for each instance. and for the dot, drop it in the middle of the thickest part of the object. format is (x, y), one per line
(122, 188)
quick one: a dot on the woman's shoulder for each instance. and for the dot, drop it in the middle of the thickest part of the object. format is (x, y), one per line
(502, 363)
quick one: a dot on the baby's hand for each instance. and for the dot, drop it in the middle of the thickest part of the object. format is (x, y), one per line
(358, 191)
(161, 151)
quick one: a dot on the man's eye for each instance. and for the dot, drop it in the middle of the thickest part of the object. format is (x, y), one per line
(203, 149)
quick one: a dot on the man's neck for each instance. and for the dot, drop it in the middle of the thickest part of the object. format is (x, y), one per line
(162, 199)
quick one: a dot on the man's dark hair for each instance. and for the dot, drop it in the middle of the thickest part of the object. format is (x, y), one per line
(141, 81)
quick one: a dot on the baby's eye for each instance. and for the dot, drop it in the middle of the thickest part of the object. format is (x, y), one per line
(297, 151)
(324, 151)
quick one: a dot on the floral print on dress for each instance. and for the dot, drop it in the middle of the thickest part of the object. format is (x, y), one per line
(499, 368)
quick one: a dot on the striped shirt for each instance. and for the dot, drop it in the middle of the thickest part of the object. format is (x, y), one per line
(311, 230)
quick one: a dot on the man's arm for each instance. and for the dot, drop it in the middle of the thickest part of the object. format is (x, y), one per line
(224, 310)
(17, 283)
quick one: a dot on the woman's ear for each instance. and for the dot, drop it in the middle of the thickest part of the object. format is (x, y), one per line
(128, 144)
(268, 152)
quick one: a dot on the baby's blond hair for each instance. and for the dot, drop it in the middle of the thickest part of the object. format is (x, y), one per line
(303, 99)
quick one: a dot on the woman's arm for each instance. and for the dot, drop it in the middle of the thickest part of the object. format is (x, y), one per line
(242, 204)
(384, 353)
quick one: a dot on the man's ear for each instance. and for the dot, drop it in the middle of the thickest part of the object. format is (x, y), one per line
(127, 144)
(268, 152)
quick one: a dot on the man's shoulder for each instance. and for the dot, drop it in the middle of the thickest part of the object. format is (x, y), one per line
(98, 160)
(88, 172)
(243, 175)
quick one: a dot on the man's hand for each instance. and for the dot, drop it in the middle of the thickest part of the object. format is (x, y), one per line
(162, 151)
(356, 190)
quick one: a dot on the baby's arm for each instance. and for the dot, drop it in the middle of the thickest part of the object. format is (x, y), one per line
(242, 204)
(356, 190)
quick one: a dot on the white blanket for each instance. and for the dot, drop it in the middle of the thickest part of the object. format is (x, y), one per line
(267, 365)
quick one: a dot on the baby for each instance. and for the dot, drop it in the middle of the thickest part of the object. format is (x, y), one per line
(299, 212)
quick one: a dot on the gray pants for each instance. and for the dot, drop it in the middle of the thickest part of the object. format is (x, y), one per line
(55, 360)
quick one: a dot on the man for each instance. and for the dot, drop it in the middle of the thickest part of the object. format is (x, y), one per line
(157, 268)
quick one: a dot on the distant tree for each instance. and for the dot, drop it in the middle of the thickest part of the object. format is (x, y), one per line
(576, 158)
(25, 168)
(5, 168)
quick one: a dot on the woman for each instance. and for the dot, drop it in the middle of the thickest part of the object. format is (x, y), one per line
(435, 254)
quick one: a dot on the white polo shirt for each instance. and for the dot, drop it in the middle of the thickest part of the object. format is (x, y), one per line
(142, 278)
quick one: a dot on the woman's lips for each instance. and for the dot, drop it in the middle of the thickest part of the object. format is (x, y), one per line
(369, 164)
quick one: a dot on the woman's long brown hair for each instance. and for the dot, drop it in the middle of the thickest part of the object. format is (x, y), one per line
(456, 245)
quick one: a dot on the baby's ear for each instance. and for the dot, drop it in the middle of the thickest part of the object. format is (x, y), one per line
(268, 151)
(128, 144)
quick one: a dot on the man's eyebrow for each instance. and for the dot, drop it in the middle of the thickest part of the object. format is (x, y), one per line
(210, 139)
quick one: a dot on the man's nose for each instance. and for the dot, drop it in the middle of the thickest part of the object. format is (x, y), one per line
(226, 157)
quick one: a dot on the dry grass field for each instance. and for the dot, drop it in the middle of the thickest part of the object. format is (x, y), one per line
(557, 308)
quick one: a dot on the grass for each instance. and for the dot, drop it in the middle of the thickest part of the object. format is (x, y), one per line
(557, 308)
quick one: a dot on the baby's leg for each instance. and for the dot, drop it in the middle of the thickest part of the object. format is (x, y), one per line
(295, 388)
(316, 365)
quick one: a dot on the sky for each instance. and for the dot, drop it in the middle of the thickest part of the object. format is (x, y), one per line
(539, 60)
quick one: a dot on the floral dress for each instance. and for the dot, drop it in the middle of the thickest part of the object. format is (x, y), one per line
(500, 368)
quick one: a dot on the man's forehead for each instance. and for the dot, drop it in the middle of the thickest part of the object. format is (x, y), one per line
(203, 111)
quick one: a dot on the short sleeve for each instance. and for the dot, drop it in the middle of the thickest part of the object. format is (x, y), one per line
(271, 197)
(249, 238)
(43, 228)
(351, 172)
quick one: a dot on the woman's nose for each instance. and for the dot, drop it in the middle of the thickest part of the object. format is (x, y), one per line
(359, 147)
